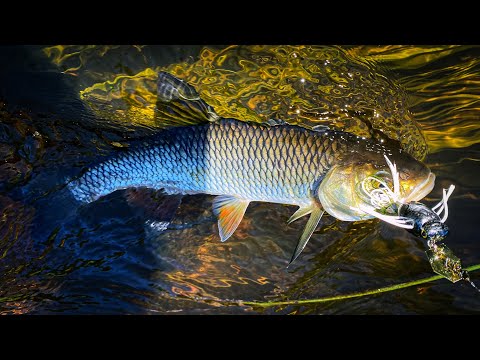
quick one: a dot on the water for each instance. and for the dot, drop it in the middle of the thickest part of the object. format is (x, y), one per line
(65, 107)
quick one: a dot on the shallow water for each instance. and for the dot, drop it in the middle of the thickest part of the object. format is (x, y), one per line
(65, 107)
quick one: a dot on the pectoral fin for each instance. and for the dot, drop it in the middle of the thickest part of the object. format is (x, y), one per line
(302, 211)
(316, 214)
(229, 210)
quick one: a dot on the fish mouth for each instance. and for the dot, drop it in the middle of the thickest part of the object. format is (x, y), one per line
(422, 190)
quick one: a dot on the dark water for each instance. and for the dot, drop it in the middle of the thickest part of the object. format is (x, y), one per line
(65, 107)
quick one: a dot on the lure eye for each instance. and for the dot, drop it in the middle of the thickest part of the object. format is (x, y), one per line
(434, 231)
(423, 233)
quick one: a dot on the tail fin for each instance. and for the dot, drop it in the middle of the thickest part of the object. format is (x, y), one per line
(54, 210)
(178, 103)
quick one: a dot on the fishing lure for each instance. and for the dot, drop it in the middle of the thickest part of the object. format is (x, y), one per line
(421, 221)
(427, 222)
(429, 226)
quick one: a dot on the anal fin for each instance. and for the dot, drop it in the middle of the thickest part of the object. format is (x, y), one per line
(312, 223)
(229, 210)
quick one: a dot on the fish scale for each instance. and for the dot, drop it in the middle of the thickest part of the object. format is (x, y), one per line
(252, 161)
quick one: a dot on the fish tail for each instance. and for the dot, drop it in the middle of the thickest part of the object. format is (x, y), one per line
(104, 179)
(178, 103)
(54, 211)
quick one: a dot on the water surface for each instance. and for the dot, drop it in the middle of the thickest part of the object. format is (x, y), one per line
(67, 106)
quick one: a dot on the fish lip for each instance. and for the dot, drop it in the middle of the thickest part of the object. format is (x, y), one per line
(423, 190)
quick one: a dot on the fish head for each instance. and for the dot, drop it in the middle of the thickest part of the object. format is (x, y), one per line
(416, 179)
(371, 180)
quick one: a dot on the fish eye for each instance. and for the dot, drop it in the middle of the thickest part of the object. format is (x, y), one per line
(423, 233)
(404, 175)
(436, 231)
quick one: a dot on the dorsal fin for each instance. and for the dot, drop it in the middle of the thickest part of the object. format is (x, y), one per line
(320, 127)
(178, 103)
(276, 122)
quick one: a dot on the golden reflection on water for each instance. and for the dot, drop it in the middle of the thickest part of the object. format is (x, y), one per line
(343, 88)
(405, 92)
(404, 56)
(445, 97)
(298, 84)
(193, 282)
(132, 98)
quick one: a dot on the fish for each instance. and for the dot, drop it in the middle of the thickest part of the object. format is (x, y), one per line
(317, 169)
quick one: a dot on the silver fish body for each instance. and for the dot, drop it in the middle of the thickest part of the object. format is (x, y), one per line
(279, 164)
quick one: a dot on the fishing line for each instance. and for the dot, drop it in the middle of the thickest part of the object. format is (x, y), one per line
(352, 295)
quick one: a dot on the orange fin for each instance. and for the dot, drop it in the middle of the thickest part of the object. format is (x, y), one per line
(229, 210)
